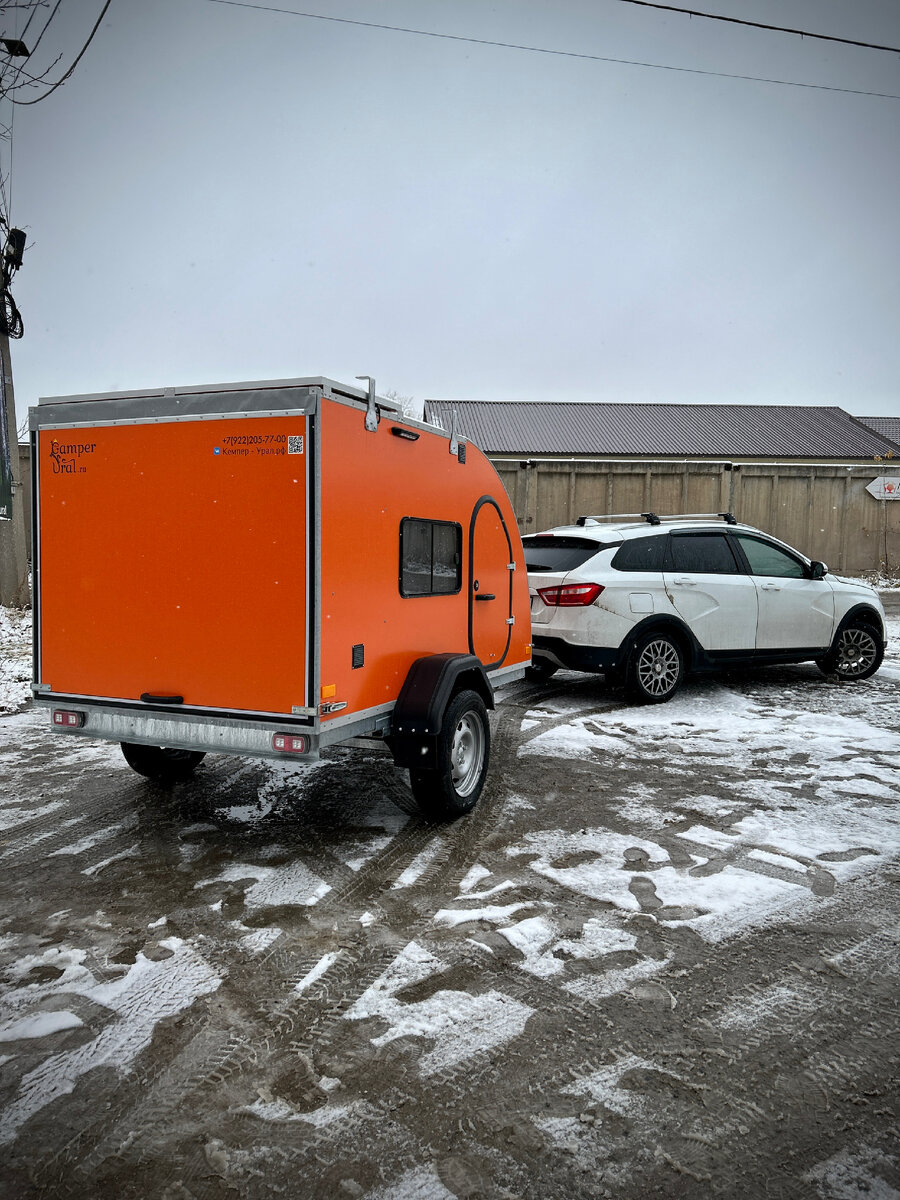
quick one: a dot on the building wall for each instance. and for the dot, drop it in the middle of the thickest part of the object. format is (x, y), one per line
(823, 510)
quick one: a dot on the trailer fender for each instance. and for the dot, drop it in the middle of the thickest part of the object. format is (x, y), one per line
(418, 715)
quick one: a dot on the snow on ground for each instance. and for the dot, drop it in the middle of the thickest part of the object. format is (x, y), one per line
(852, 1175)
(149, 992)
(814, 805)
(461, 1025)
(291, 883)
(15, 658)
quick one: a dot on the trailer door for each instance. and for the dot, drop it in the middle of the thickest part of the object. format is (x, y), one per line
(490, 583)
(174, 562)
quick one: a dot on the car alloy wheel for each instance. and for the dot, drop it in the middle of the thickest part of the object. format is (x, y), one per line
(856, 651)
(658, 667)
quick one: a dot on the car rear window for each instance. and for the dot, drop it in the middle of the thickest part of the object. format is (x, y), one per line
(641, 554)
(547, 552)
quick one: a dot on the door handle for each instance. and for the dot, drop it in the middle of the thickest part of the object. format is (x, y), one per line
(770, 587)
(686, 580)
(485, 596)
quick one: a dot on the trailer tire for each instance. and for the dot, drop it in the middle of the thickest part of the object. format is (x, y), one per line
(160, 763)
(452, 788)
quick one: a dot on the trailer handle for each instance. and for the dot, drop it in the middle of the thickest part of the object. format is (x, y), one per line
(148, 698)
(371, 409)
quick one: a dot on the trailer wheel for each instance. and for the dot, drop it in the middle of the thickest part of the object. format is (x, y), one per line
(463, 750)
(161, 763)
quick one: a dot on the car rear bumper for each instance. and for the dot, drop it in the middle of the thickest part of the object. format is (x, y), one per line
(573, 656)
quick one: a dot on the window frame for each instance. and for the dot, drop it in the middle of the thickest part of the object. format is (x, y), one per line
(740, 562)
(455, 525)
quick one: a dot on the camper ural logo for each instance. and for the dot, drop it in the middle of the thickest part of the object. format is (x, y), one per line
(66, 457)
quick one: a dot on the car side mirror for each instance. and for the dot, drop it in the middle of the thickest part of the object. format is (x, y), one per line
(817, 570)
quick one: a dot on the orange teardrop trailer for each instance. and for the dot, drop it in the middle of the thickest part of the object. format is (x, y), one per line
(268, 569)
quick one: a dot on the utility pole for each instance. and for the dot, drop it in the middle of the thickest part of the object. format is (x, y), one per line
(14, 589)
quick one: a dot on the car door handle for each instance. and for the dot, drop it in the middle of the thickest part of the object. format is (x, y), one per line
(770, 587)
(686, 580)
(485, 596)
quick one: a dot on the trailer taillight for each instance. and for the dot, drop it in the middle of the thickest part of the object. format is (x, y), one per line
(290, 743)
(571, 595)
(68, 719)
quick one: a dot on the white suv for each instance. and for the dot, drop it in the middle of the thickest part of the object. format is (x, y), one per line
(643, 601)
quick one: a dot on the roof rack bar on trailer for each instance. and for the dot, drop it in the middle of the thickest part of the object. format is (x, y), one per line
(654, 519)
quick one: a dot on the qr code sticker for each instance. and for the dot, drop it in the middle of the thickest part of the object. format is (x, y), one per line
(295, 445)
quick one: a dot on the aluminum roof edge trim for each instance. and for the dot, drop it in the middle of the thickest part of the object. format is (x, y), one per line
(321, 381)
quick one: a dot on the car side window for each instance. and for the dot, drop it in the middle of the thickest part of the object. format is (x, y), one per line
(430, 557)
(640, 554)
(766, 559)
(704, 553)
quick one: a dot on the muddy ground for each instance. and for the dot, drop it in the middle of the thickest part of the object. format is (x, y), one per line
(660, 958)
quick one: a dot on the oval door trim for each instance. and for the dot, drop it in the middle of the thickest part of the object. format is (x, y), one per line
(472, 597)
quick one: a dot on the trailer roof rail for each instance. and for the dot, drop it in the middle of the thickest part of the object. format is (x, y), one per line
(654, 519)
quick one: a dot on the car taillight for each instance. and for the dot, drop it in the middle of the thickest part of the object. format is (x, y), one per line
(290, 743)
(67, 719)
(571, 595)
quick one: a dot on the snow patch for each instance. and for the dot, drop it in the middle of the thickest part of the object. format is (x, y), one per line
(148, 993)
(459, 1024)
(38, 1026)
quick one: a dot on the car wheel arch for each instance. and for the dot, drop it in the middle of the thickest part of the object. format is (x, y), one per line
(861, 612)
(658, 623)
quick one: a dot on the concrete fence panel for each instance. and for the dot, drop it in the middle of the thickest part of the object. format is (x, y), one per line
(822, 509)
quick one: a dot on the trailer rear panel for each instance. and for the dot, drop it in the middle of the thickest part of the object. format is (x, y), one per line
(174, 561)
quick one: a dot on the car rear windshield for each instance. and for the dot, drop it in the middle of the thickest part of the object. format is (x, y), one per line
(547, 552)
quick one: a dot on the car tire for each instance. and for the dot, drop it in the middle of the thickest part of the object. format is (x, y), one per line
(160, 763)
(856, 653)
(540, 670)
(452, 788)
(655, 669)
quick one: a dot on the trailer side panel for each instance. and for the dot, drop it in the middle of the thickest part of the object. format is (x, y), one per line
(371, 632)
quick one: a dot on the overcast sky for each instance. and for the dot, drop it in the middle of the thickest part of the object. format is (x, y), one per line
(224, 194)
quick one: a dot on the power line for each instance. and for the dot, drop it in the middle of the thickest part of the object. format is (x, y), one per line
(628, 62)
(804, 33)
(71, 69)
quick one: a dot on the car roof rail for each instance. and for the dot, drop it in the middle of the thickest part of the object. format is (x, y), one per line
(598, 518)
(654, 518)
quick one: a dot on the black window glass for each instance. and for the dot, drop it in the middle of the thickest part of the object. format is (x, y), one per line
(430, 557)
(640, 554)
(766, 559)
(546, 552)
(703, 553)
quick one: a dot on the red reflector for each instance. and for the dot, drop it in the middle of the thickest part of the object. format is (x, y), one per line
(571, 595)
(68, 719)
(290, 743)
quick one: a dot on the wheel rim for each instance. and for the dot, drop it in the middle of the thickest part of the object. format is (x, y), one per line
(467, 753)
(658, 667)
(856, 652)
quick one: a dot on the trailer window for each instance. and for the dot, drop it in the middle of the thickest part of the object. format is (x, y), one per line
(430, 557)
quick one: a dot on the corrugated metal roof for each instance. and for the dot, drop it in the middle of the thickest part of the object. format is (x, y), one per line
(659, 430)
(888, 427)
